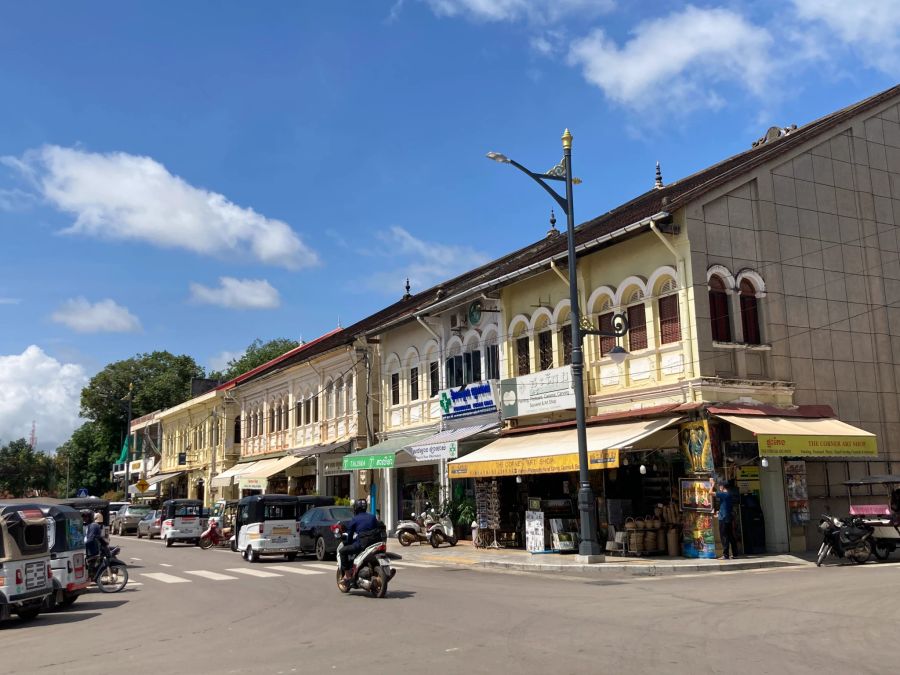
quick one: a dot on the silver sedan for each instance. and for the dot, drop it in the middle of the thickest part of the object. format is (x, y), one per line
(149, 525)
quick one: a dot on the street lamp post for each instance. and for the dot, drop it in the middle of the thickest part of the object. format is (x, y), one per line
(589, 546)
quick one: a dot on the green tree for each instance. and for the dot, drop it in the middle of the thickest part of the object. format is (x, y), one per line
(255, 355)
(87, 458)
(24, 470)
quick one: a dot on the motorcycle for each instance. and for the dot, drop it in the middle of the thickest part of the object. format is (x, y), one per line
(441, 530)
(371, 569)
(414, 531)
(106, 570)
(213, 536)
(849, 538)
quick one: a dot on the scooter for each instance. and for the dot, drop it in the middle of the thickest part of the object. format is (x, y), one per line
(106, 570)
(441, 530)
(371, 569)
(849, 538)
(414, 531)
(213, 536)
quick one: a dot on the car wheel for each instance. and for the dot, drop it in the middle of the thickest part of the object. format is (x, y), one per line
(291, 557)
(168, 543)
(252, 556)
(28, 613)
(321, 552)
(139, 535)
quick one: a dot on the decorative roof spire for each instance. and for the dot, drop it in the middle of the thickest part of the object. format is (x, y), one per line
(658, 185)
(552, 232)
(407, 296)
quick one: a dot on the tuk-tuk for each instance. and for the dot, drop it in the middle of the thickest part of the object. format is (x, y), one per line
(92, 504)
(180, 521)
(224, 511)
(884, 516)
(65, 539)
(268, 525)
(26, 578)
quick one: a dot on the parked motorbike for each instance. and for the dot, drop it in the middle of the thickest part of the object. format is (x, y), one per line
(106, 570)
(371, 567)
(849, 538)
(414, 531)
(214, 536)
(441, 530)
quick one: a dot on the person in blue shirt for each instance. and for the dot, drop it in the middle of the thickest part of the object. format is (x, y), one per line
(362, 523)
(94, 536)
(728, 499)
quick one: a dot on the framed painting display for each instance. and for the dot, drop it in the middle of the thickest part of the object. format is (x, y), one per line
(697, 494)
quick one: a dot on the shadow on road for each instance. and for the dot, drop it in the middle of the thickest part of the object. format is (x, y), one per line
(46, 620)
(98, 604)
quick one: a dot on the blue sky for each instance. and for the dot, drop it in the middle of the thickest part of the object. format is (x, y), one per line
(192, 176)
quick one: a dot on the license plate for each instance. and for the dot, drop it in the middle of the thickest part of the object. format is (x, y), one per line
(384, 562)
(35, 575)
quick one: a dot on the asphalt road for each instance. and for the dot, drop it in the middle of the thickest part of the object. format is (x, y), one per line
(199, 611)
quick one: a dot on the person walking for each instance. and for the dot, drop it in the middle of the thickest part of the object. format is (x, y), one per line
(727, 500)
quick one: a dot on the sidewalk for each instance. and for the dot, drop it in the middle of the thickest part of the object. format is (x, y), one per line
(466, 555)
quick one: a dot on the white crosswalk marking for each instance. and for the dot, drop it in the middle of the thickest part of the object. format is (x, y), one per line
(252, 572)
(321, 566)
(165, 565)
(295, 570)
(166, 578)
(410, 564)
(206, 574)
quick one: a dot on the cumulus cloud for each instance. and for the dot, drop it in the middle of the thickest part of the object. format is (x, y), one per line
(15, 199)
(872, 27)
(237, 294)
(677, 59)
(123, 196)
(35, 386)
(105, 316)
(535, 11)
(220, 361)
(425, 263)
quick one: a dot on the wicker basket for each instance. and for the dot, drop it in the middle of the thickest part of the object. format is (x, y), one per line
(636, 541)
(630, 524)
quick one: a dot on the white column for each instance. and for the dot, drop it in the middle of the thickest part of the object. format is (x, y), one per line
(386, 499)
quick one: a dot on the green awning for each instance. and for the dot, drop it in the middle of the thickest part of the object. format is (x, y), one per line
(381, 455)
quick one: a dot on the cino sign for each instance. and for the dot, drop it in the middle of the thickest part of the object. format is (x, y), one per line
(470, 399)
(541, 392)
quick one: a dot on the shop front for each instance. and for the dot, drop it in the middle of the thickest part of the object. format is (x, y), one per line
(228, 482)
(159, 487)
(275, 476)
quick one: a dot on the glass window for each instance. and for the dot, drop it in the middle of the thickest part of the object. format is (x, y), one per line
(307, 405)
(315, 408)
(341, 513)
(298, 414)
(280, 511)
(187, 510)
(414, 384)
(669, 321)
(434, 381)
(637, 327)
(545, 350)
(329, 401)
(339, 395)
(523, 356)
(749, 313)
(455, 374)
(720, 318)
(395, 389)
(492, 362)
(284, 415)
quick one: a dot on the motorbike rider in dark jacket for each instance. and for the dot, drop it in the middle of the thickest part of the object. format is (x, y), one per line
(362, 523)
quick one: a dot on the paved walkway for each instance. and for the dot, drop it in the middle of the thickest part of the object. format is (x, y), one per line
(464, 554)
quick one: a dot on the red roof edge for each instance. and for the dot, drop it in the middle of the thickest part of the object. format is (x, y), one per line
(771, 410)
(274, 362)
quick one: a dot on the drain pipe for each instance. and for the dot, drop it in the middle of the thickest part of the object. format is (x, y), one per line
(682, 281)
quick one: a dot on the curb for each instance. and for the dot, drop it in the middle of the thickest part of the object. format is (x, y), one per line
(638, 570)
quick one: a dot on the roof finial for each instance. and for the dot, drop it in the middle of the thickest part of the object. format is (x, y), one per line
(658, 185)
(407, 296)
(552, 232)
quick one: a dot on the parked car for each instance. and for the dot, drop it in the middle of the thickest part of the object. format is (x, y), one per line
(315, 529)
(150, 525)
(126, 519)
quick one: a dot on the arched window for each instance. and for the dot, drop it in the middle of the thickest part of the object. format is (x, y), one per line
(718, 310)
(277, 412)
(339, 397)
(637, 322)
(523, 355)
(237, 429)
(285, 421)
(260, 428)
(749, 313)
(329, 401)
(348, 389)
(298, 413)
(669, 320)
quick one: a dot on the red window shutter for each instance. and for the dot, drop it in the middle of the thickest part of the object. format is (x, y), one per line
(669, 321)
(605, 322)
(637, 328)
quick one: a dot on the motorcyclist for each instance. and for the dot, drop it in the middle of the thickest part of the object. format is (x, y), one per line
(93, 538)
(362, 523)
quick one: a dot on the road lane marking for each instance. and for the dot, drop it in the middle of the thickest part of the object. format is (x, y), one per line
(295, 570)
(251, 572)
(206, 574)
(321, 566)
(166, 578)
(165, 565)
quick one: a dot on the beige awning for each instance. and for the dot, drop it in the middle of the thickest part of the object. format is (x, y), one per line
(806, 437)
(269, 467)
(554, 451)
(224, 479)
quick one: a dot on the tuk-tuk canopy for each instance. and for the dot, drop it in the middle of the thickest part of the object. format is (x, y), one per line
(260, 508)
(23, 531)
(65, 527)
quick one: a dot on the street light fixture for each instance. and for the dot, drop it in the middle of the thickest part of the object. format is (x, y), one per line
(589, 546)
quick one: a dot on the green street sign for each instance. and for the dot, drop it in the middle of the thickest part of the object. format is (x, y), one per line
(385, 461)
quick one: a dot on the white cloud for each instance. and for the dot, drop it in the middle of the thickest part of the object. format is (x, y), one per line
(10, 301)
(425, 263)
(220, 360)
(15, 199)
(870, 26)
(35, 386)
(122, 196)
(237, 294)
(105, 316)
(677, 60)
(535, 11)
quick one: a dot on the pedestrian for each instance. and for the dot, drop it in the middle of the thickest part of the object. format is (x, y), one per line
(727, 500)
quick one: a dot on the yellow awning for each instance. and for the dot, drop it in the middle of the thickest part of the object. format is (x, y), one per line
(806, 437)
(554, 451)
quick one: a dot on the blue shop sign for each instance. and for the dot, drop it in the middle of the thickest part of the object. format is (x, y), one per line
(471, 399)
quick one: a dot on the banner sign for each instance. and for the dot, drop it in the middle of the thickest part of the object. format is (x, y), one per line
(597, 459)
(433, 451)
(470, 399)
(252, 483)
(541, 392)
(385, 461)
(782, 445)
